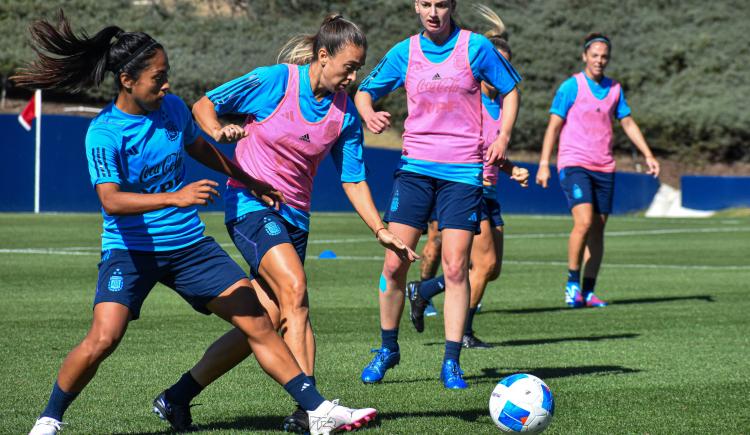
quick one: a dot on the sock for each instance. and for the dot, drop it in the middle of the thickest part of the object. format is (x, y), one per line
(470, 321)
(302, 389)
(184, 390)
(59, 401)
(390, 339)
(312, 379)
(574, 276)
(452, 350)
(428, 289)
(588, 285)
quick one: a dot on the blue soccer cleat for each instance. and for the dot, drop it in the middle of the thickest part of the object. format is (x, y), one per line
(384, 359)
(573, 296)
(452, 375)
(593, 301)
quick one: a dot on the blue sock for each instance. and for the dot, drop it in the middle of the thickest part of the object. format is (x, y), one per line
(312, 378)
(390, 339)
(303, 390)
(452, 350)
(59, 401)
(588, 285)
(184, 390)
(470, 321)
(574, 276)
(428, 289)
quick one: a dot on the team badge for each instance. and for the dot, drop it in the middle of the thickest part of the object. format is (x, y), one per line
(115, 281)
(271, 227)
(394, 201)
(577, 192)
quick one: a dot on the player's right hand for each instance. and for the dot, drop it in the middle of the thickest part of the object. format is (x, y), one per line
(229, 134)
(392, 242)
(378, 122)
(542, 176)
(198, 193)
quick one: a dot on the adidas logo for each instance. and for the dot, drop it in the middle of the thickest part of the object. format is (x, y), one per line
(305, 138)
(304, 386)
(436, 76)
(473, 217)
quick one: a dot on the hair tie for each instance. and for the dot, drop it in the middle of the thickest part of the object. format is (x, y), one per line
(143, 48)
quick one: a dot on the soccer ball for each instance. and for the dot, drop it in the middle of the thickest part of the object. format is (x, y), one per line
(522, 403)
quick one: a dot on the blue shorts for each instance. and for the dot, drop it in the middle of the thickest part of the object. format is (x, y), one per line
(582, 186)
(491, 212)
(457, 205)
(255, 233)
(198, 273)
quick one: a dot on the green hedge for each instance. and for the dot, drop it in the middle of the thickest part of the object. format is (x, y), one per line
(680, 62)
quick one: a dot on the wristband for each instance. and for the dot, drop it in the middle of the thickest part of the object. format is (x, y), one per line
(378, 232)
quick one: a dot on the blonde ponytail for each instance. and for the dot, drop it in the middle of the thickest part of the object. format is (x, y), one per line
(334, 33)
(298, 50)
(497, 33)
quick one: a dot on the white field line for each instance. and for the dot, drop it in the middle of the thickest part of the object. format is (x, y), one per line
(379, 258)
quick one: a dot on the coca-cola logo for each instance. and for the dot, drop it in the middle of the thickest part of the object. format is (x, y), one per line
(170, 164)
(443, 85)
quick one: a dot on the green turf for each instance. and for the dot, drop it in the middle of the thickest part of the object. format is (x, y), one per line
(670, 355)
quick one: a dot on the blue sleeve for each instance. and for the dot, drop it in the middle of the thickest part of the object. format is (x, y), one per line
(564, 98)
(389, 74)
(487, 64)
(347, 151)
(623, 109)
(102, 153)
(190, 130)
(249, 94)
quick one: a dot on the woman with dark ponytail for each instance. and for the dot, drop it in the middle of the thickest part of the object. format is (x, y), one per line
(297, 112)
(152, 233)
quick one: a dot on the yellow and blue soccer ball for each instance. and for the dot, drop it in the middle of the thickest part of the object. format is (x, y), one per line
(522, 403)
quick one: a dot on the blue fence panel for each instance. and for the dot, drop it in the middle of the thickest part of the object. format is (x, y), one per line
(715, 193)
(65, 182)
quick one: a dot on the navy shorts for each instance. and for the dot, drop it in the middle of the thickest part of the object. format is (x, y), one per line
(255, 233)
(582, 186)
(491, 212)
(457, 205)
(198, 273)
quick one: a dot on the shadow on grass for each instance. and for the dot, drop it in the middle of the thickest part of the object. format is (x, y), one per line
(654, 300)
(493, 375)
(470, 415)
(563, 340)
(267, 423)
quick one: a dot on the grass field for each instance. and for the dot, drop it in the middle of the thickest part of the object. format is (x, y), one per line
(670, 354)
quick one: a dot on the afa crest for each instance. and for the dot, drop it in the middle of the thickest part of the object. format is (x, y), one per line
(115, 281)
(271, 227)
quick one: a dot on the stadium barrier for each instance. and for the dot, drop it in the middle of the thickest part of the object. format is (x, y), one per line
(65, 185)
(715, 193)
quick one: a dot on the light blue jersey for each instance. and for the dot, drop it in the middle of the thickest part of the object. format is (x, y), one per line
(568, 91)
(486, 63)
(144, 154)
(257, 94)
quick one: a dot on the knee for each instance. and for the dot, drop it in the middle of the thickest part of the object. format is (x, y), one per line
(394, 268)
(456, 270)
(582, 225)
(295, 295)
(101, 344)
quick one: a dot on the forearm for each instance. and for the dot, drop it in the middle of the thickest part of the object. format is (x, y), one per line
(507, 167)
(129, 203)
(511, 104)
(636, 136)
(550, 137)
(210, 156)
(361, 198)
(206, 116)
(364, 103)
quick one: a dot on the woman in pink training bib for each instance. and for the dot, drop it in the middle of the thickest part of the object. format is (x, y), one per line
(581, 117)
(441, 69)
(296, 113)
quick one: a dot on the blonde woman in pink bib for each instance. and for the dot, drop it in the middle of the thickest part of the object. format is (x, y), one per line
(296, 112)
(441, 69)
(581, 118)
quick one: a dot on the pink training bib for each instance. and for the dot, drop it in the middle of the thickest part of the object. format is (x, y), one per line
(285, 149)
(490, 132)
(444, 103)
(586, 136)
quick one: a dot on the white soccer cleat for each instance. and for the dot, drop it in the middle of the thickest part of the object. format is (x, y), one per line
(330, 417)
(46, 426)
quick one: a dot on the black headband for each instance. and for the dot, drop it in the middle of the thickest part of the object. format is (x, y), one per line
(141, 49)
(597, 39)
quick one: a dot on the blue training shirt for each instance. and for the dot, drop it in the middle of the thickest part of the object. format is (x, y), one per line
(258, 93)
(486, 64)
(144, 154)
(568, 91)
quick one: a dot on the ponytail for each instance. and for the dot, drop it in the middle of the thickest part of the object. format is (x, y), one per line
(334, 33)
(70, 62)
(497, 34)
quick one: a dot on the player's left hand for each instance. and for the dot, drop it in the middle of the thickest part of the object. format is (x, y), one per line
(267, 194)
(520, 175)
(653, 166)
(390, 241)
(496, 151)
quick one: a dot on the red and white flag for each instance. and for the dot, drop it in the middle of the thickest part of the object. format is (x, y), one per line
(28, 114)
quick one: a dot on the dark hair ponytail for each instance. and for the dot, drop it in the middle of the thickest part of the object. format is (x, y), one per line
(335, 32)
(596, 37)
(71, 62)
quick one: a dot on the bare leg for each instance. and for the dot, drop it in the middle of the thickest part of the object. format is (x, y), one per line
(456, 250)
(431, 252)
(486, 259)
(583, 215)
(394, 272)
(594, 246)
